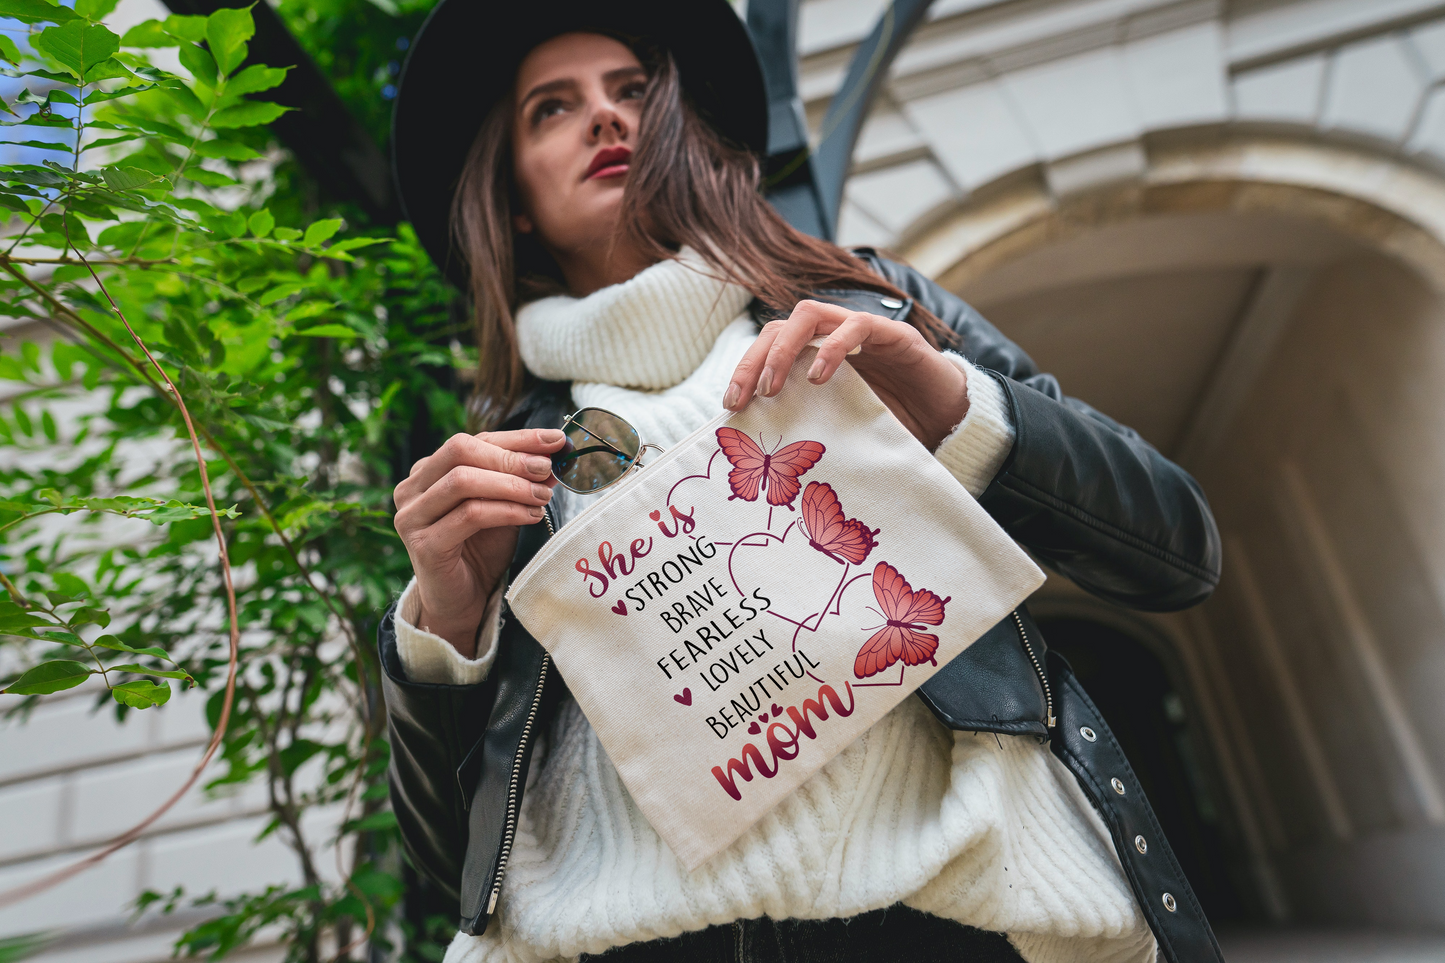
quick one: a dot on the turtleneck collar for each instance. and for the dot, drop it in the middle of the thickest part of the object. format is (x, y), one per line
(648, 332)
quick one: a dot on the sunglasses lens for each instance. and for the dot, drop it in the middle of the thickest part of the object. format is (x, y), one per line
(600, 448)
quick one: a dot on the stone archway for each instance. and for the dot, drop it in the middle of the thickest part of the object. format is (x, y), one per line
(1271, 312)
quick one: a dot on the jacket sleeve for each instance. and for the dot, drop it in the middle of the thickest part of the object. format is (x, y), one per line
(433, 728)
(1088, 496)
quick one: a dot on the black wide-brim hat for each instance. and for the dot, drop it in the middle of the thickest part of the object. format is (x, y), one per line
(466, 56)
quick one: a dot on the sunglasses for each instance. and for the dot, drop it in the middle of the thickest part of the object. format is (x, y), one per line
(601, 449)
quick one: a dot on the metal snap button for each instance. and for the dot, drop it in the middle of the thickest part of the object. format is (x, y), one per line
(1088, 734)
(1169, 903)
(1140, 845)
(892, 303)
(1118, 786)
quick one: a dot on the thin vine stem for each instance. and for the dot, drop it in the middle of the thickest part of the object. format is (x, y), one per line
(16, 894)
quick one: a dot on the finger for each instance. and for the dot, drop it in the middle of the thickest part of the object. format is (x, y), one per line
(808, 319)
(522, 453)
(745, 376)
(465, 483)
(467, 519)
(848, 336)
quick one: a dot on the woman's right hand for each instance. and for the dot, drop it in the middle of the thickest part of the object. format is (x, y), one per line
(458, 514)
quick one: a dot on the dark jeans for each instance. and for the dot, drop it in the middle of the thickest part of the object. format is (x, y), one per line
(894, 935)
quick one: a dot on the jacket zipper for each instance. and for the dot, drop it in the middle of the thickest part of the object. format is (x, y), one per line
(515, 785)
(1038, 670)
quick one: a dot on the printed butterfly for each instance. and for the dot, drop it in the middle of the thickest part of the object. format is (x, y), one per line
(842, 539)
(903, 638)
(755, 470)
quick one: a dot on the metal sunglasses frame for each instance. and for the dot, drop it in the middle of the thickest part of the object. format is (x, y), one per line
(634, 461)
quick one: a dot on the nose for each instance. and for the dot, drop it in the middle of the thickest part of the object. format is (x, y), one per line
(607, 125)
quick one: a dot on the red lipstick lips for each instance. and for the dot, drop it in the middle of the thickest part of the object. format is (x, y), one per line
(609, 162)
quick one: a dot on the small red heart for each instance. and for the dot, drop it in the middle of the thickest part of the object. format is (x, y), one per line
(777, 711)
(654, 515)
(620, 608)
(754, 729)
(685, 698)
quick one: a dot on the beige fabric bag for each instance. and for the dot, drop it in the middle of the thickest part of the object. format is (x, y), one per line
(748, 604)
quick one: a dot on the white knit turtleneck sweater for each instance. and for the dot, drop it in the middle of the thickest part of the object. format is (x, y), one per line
(989, 831)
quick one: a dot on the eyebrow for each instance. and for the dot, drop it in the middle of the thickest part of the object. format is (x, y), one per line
(564, 83)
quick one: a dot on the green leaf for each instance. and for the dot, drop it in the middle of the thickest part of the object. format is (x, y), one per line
(35, 11)
(77, 45)
(199, 62)
(327, 331)
(107, 69)
(95, 9)
(192, 29)
(284, 289)
(227, 31)
(386, 819)
(8, 50)
(50, 677)
(321, 231)
(252, 113)
(141, 694)
(286, 234)
(143, 670)
(89, 616)
(47, 425)
(148, 33)
(128, 178)
(116, 645)
(261, 223)
(225, 150)
(296, 754)
(13, 618)
(255, 78)
(309, 309)
(210, 178)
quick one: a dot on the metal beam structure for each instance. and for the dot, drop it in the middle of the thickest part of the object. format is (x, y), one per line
(790, 178)
(807, 186)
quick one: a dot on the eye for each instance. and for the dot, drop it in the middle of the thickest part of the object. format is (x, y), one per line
(633, 91)
(545, 109)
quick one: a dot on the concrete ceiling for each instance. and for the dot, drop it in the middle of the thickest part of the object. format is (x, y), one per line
(1135, 318)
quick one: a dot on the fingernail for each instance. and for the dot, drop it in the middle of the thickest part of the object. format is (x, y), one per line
(765, 383)
(730, 397)
(549, 436)
(816, 372)
(535, 511)
(542, 492)
(537, 465)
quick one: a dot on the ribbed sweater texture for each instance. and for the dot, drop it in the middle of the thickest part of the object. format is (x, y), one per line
(989, 831)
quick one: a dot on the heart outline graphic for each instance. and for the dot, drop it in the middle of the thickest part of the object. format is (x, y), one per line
(685, 698)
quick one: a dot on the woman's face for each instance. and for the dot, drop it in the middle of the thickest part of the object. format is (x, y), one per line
(579, 102)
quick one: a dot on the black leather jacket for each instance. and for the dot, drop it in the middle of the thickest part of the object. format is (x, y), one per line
(1087, 496)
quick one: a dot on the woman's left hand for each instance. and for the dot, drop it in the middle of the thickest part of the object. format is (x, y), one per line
(922, 388)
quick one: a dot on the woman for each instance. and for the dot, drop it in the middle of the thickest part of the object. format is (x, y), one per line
(596, 190)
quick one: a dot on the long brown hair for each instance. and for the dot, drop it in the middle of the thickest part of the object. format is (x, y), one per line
(687, 186)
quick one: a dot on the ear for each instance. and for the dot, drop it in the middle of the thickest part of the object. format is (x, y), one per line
(522, 224)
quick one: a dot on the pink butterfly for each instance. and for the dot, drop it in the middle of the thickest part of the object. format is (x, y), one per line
(755, 470)
(903, 638)
(843, 539)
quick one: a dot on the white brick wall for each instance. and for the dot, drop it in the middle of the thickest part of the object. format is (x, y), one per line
(71, 777)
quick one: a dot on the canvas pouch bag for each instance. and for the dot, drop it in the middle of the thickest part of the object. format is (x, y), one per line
(732, 616)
